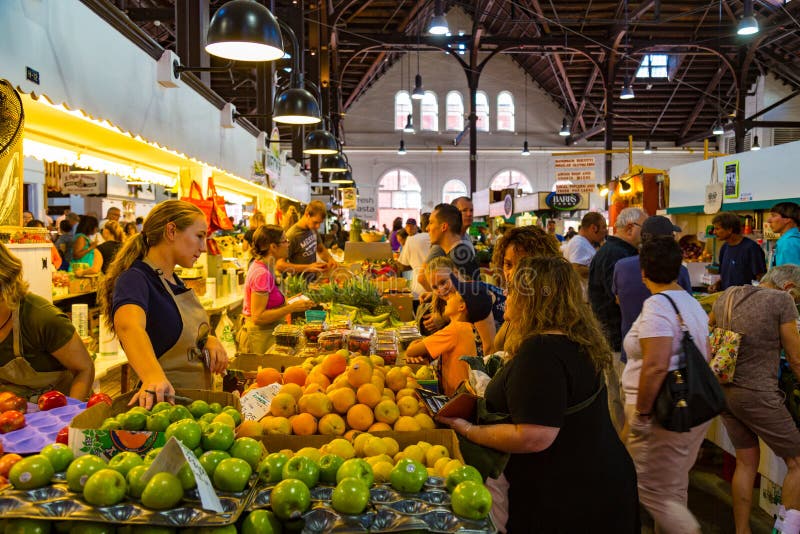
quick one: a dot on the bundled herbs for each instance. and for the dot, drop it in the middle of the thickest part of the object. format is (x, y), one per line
(294, 284)
(358, 291)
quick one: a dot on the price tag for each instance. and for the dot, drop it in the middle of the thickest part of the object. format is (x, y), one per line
(171, 459)
(256, 402)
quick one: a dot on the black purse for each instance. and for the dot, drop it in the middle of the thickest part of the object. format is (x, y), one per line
(691, 394)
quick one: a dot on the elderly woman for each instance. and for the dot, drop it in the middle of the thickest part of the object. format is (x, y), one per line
(766, 316)
(568, 471)
(39, 348)
(653, 345)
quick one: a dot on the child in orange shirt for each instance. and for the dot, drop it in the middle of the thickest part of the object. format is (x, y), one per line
(467, 304)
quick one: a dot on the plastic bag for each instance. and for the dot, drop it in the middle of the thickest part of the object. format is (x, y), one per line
(224, 333)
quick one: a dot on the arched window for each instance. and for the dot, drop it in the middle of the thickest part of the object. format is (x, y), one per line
(505, 112)
(402, 107)
(430, 112)
(507, 179)
(399, 195)
(452, 190)
(482, 111)
(455, 111)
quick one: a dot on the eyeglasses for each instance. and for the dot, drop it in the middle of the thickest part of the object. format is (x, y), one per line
(637, 224)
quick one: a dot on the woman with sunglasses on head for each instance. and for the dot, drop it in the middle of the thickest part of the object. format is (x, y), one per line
(160, 323)
(264, 306)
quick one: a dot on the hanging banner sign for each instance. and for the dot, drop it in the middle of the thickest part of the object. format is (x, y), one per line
(565, 202)
(349, 199)
(80, 184)
(732, 179)
(576, 176)
(574, 163)
(575, 188)
(367, 204)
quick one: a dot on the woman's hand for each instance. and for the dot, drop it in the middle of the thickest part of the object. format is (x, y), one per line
(153, 392)
(217, 357)
(301, 305)
(461, 426)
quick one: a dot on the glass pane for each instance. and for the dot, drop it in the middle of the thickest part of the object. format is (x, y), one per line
(455, 111)
(658, 60)
(389, 181)
(402, 107)
(658, 72)
(408, 182)
(398, 199)
(384, 199)
(500, 181)
(482, 111)
(414, 200)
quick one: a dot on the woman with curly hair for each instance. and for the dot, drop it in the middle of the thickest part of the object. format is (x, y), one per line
(567, 465)
(518, 243)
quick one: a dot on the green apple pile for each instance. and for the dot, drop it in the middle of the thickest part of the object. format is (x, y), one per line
(208, 430)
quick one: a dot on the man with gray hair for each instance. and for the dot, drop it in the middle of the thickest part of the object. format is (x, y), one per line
(623, 244)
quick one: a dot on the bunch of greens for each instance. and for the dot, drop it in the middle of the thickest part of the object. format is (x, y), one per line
(358, 291)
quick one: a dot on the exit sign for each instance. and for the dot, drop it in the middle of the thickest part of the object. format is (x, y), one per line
(32, 75)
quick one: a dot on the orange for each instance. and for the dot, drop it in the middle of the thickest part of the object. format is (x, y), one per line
(379, 427)
(388, 394)
(406, 424)
(377, 381)
(396, 379)
(316, 377)
(283, 405)
(351, 434)
(249, 429)
(360, 417)
(331, 424)
(359, 373)
(317, 404)
(304, 424)
(342, 399)
(333, 365)
(295, 375)
(267, 376)
(369, 394)
(292, 389)
(313, 387)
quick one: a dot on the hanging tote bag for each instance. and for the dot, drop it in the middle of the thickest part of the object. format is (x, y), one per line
(219, 217)
(691, 394)
(725, 344)
(714, 190)
(196, 197)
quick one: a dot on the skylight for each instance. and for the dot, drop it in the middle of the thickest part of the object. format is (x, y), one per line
(654, 66)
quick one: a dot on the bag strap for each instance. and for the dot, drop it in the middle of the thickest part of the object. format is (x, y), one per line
(575, 408)
(211, 189)
(728, 310)
(677, 312)
(714, 173)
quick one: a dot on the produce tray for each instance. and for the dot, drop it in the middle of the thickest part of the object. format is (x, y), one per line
(56, 502)
(388, 511)
(40, 428)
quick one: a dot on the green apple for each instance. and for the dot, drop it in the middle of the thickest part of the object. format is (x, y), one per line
(461, 474)
(199, 408)
(186, 476)
(208, 418)
(60, 456)
(472, 500)
(211, 459)
(261, 522)
(105, 487)
(227, 529)
(356, 468)
(161, 407)
(232, 474)
(187, 431)
(26, 526)
(301, 468)
(125, 461)
(408, 476)
(80, 469)
(328, 467)
(218, 437)
(233, 412)
(134, 479)
(176, 413)
(249, 450)
(289, 499)
(163, 491)
(79, 527)
(140, 409)
(157, 422)
(134, 421)
(151, 455)
(350, 496)
(111, 424)
(271, 468)
(31, 472)
(215, 407)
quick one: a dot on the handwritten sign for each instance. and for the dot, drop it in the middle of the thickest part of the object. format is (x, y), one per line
(256, 402)
(574, 163)
(576, 176)
(349, 198)
(172, 458)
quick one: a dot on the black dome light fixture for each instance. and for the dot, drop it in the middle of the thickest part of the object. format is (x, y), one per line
(335, 163)
(296, 105)
(321, 142)
(438, 25)
(564, 132)
(343, 178)
(244, 30)
(749, 24)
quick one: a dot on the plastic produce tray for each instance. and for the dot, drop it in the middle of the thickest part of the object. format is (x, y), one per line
(56, 502)
(388, 511)
(40, 428)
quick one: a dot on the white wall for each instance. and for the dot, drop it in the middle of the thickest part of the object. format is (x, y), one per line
(85, 63)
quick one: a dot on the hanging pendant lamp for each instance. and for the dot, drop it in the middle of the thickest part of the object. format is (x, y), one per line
(334, 163)
(244, 30)
(321, 142)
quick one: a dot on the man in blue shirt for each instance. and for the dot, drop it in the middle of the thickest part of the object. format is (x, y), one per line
(784, 218)
(741, 260)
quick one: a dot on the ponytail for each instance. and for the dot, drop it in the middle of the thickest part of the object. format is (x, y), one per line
(133, 249)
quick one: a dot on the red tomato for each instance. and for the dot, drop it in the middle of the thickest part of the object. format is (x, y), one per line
(63, 436)
(97, 398)
(9, 401)
(52, 399)
(11, 420)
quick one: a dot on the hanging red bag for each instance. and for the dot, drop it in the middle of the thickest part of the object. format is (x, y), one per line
(219, 217)
(196, 197)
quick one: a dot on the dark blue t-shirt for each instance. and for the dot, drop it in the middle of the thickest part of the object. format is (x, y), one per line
(141, 285)
(739, 265)
(631, 291)
(498, 304)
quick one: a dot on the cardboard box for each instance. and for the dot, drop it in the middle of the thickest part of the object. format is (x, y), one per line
(243, 369)
(439, 436)
(82, 285)
(85, 436)
(395, 284)
(403, 303)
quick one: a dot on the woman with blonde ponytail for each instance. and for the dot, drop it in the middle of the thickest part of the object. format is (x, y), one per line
(264, 306)
(159, 321)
